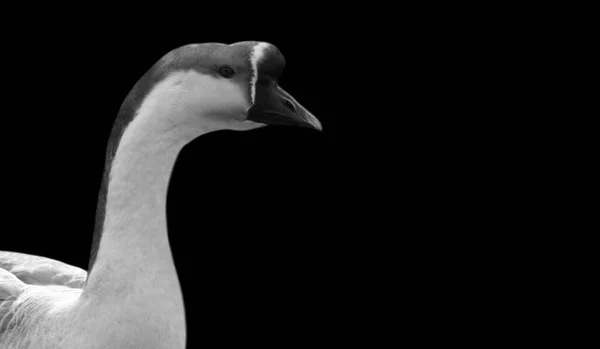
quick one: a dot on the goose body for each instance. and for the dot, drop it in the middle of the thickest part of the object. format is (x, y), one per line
(130, 296)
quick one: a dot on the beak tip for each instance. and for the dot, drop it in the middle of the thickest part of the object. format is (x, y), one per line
(317, 124)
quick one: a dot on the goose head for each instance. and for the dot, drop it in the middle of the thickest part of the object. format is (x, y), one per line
(209, 87)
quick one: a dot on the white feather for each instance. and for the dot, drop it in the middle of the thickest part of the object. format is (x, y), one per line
(258, 52)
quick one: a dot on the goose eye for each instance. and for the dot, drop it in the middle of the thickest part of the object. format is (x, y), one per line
(226, 72)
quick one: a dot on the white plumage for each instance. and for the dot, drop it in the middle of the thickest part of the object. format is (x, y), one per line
(132, 297)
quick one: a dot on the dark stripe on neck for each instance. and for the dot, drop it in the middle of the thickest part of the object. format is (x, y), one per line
(126, 114)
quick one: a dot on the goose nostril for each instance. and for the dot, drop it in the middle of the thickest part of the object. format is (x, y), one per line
(289, 105)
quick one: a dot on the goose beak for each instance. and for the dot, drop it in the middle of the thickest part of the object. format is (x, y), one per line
(274, 106)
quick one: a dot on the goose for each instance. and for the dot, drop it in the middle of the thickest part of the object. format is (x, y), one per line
(130, 296)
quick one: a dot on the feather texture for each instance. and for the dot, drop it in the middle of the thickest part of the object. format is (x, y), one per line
(34, 270)
(33, 290)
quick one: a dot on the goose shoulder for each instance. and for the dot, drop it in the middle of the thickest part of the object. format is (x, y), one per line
(35, 270)
(10, 289)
